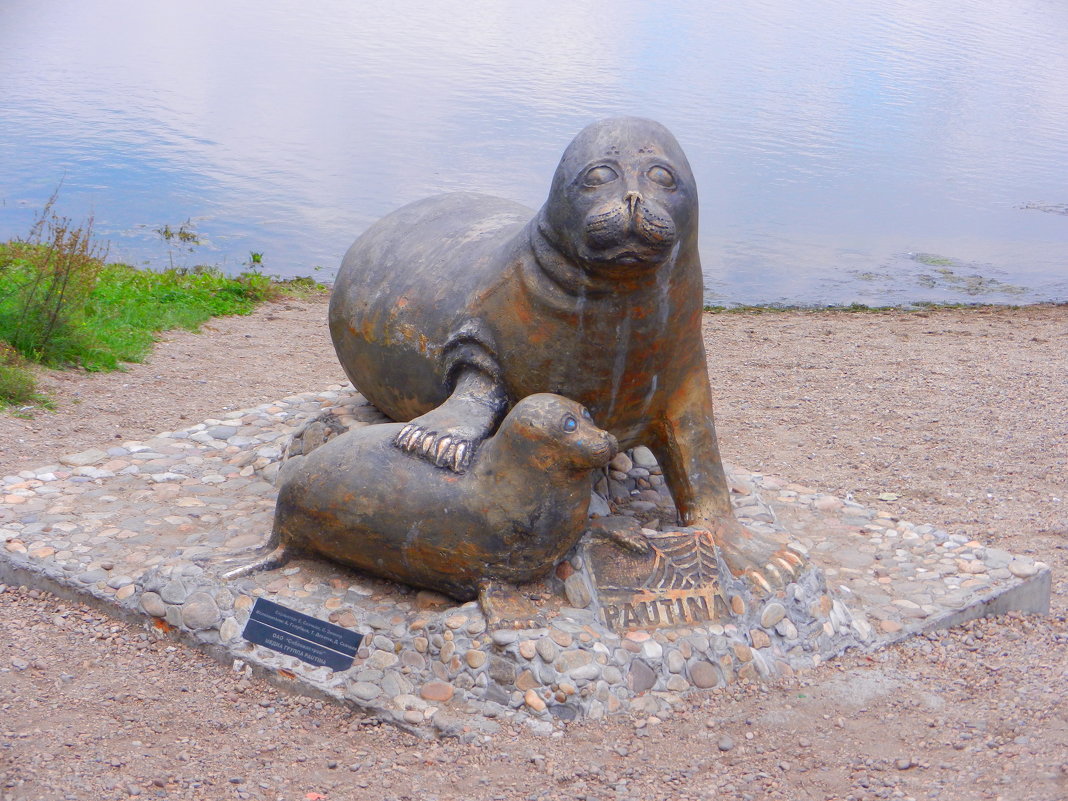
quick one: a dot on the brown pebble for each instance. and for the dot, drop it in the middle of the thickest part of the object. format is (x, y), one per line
(438, 691)
(534, 701)
(743, 652)
(760, 638)
(561, 638)
(526, 681)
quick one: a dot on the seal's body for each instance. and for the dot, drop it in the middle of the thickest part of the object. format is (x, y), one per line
(451, 309)
(521, 505)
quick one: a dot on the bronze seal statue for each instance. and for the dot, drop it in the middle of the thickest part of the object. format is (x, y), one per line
(513, 514)
(452, 309)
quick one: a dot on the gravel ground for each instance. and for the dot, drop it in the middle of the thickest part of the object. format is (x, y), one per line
(960, 414)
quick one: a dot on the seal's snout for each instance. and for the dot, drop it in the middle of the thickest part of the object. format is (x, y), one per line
(604, 449)
(630, 229)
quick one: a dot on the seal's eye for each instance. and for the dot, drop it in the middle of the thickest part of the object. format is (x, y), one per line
(570, 423)
(603, 174)
(661, 175)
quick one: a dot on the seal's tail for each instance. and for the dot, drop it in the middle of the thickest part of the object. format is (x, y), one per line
(272, 555)
(265, 558)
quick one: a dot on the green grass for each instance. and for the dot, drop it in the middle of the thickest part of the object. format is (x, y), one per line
(63, 305)
(117, 318)
(129, 307)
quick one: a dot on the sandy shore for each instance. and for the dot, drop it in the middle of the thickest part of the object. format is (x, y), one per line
(953, 417)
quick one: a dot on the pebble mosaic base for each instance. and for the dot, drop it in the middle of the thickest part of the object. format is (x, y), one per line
(133, 528)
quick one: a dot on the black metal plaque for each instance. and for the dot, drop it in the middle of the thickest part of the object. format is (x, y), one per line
(307, 638)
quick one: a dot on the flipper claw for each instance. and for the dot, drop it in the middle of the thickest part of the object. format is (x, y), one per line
(441, 449)
(401, 440)
(759, 581)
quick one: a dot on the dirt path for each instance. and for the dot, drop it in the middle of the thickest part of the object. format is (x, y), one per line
(963, 414)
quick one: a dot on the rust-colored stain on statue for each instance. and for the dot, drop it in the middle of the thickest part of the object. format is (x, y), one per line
(597, 296)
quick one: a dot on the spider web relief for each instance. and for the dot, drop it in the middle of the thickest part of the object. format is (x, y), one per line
(676, 584)
(685, 562)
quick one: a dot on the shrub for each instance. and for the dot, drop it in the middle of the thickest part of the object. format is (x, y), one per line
(45, 281)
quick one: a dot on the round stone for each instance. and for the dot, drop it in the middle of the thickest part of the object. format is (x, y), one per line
(504, 636)
(786, 629)
(200, 611)
(1021, 567)
(704, 675)
(675, 662)
(153, 604)
(380, 660)
(743, 652)
(534, 701)
(364, 690)
(526, 681)
(578, 594)
(546, 649)
(437, 691)
(475, 659)
(174, 592)
(561, 638)
(527, 649)
(677, 684)
(229, 629)
(587, 672)
(772, 614)
(570, 660)
(643, 457)
(737, 605)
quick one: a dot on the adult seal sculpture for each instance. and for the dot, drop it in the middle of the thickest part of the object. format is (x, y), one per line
(521, 505)
(450, 310)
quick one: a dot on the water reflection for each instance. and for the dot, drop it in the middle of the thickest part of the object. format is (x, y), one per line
(830, 140)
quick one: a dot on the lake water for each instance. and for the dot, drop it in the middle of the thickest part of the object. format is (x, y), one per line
(877, 152)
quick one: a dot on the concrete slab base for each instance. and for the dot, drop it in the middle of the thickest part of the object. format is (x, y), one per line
(135, 529)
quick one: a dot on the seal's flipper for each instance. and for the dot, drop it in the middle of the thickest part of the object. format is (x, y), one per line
(506, 608)
(763, 561)
(449, 435)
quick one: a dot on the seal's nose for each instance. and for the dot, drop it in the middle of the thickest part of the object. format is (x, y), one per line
(613, 445)
(632, 200)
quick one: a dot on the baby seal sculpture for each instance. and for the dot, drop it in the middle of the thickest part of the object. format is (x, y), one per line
(513, 514)
(452, 309)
